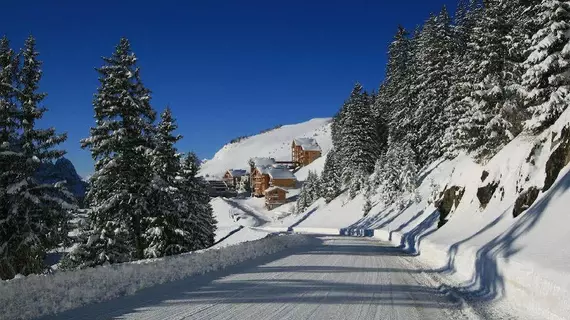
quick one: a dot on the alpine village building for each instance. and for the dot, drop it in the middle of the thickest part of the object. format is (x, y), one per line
(266, 173)
(275, 197)
(233, 177)
(305, 150)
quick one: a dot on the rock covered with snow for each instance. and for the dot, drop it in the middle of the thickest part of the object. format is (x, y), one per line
(63, 170)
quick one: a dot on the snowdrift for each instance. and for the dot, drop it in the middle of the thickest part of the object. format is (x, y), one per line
(36, 295)
(275, 144)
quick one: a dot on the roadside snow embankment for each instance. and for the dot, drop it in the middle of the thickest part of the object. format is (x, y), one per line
(36, 296)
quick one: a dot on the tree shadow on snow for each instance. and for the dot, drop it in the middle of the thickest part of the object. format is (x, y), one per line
(487, 282)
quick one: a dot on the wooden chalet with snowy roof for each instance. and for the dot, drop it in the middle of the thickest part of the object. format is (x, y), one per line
(233, 177)
(305, 150)
(275, 197)
(266, 174)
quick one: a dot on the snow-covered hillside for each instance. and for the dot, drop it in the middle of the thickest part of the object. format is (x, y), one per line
(275, 144)
(490, 252)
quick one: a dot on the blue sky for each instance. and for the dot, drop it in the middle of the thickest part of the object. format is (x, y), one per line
(226, 68)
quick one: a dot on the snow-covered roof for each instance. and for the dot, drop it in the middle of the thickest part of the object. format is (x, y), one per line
(262, 162)
(237, 172)
(307, 144)
(275, 188)
(280, 173)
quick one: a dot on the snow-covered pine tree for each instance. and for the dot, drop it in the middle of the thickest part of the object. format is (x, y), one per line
(199, 217)
(396, 174)
(460, 76)
(9, 157)
(493, 106)
(359, 144)
(394, 101)
(546, 78)
(120, 144)
(367, 199)
(331, 184)
(34, 216)
(163, 233)
(315, 193)
(310, 192)
(302, 200)
(434, 50)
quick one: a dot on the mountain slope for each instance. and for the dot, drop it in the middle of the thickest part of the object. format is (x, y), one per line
(275, 144)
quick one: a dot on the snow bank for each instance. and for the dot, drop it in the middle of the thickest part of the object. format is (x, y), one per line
(275, 144)
(230, 218)
(36, 296)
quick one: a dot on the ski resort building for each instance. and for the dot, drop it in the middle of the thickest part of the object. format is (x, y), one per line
(264, 177)
(233, 177)
(305, 150)
(275, 197)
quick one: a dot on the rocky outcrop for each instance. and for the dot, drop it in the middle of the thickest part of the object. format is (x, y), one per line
(558, 159)
(525, 200)
(484, 175)
(449, 199)
(484, 194)
(63, 170)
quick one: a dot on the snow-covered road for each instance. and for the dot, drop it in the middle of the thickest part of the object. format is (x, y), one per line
(336, 278)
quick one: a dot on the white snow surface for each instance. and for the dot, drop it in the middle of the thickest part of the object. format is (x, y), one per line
(233, 224)
(274, 144)
(38, 295)
(518, 263)
(329, 278)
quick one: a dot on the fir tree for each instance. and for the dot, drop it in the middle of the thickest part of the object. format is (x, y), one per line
(546, 79)
(493, 106)
(395, 172)
(435, 47)
(163, 233)
(310, 192)
(199, 215)
(34, 216)
(359, 145)
(461, 77)
(120, 144)
(394, 102)
(330, 182)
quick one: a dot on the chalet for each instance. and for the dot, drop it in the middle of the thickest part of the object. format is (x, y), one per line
(275, 197)
(233, 177)
(305, 150)
(264, 177)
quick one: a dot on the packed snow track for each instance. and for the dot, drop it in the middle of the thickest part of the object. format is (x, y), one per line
(336, 278)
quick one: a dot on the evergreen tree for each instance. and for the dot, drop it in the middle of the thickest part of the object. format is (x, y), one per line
(120, 144)
(199, 215)
(493, 106)
(456, 105)
(330, 182)
(34, 216)
(546, 79)
(359, 144)
(310, 192)
(394, 102)
(435, 47)
(395, 173)
(163, 233)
